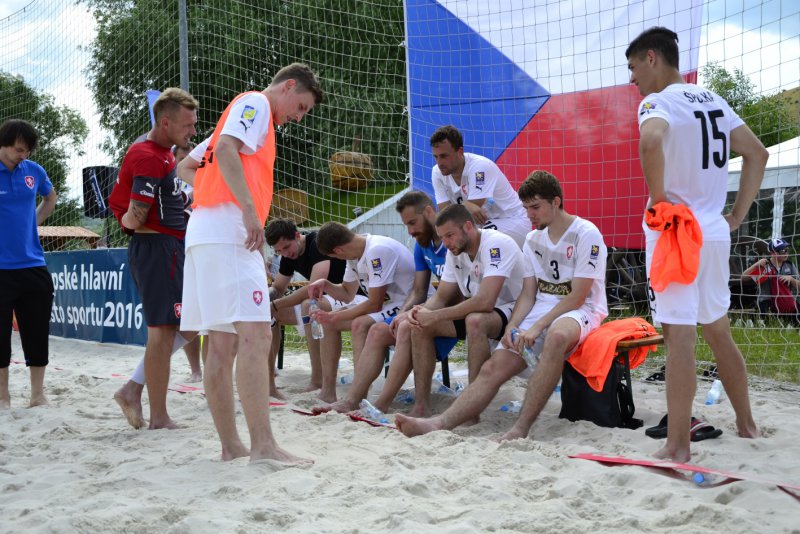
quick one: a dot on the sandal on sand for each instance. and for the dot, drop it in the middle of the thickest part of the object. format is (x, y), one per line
(698, 430)
(658, 376)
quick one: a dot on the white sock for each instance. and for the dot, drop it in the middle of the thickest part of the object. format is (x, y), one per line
(138, 373)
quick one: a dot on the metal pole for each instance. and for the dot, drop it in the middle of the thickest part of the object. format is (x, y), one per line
(183, 49)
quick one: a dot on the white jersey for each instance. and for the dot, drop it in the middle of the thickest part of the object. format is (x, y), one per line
(482, 179)
(385, 262)
(249, 121)
(498, 255)
(580, 253)
(696, 152)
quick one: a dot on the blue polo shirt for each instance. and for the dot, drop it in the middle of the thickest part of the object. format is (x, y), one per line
(430, 258)
(19, 241)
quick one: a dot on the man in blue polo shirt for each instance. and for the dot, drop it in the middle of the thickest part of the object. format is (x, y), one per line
(25, 284)
(418, 213)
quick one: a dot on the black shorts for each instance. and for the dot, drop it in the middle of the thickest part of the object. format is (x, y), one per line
(156, 262)
(503, 325)
(29, 294)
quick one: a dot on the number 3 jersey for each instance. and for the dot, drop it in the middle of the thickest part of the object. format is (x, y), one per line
(696, 152)
(580, 253)
(498, 255)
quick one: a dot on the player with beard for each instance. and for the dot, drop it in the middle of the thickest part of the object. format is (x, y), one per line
(418, 214)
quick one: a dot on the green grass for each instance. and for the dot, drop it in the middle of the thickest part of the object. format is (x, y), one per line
(336, 205)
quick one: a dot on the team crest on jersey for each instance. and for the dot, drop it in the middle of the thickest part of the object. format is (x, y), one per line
(476, 268)
(377, 267)
(178, 307)
(249, 114)
(30, 182)
(647, 107)
(570, 250)
(258, 297)
(595, 252)
(494, 256)
(464, 188)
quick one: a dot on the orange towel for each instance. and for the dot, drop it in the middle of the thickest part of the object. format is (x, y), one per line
(677, 254)
(593, 357)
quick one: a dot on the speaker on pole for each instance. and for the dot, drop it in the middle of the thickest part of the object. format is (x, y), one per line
(97, 184)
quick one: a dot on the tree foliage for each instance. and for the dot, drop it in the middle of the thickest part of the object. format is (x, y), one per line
(769, 117)
(235, 46)
(62, 132)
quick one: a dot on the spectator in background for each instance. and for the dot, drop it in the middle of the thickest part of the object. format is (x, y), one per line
(777, 279)
(25, 283)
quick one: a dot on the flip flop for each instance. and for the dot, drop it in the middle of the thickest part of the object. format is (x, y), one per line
(658, 376)
(698, 430)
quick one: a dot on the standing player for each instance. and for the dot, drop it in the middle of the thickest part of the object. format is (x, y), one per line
(686, 132)
(476, 182)
(148, 203)
(299, 254)
(384, 271)
(25, 283)
(226, 280)
(563, 299)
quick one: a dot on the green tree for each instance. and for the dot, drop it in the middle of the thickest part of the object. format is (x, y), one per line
(62, 132)
(234, 46)
(769, 117)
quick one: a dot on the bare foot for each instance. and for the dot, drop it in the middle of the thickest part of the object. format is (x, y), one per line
(131, 410)
(167, 424)
(195, 378)
(511, 435)
(276, 394)
(471, 422)
(419, 411)
(748, 430)
(328, 399)
(277, 454)
(413, 426)
(38, 400)
(312, 387)
(669, 453)
(343, 406)
(237, 451)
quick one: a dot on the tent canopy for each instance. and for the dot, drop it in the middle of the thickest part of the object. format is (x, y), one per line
(783, 167)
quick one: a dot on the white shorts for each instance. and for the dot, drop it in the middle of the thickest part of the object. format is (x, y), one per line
(586, 320)
(390, 309)
(515, 228)
(337, 305)
(703, 301)
(223, 284)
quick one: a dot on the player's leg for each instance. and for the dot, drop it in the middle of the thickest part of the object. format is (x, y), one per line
(423, 347)
(473, 400)
(563, 335)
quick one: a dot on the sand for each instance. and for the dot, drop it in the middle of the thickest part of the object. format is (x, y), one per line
(75, 466)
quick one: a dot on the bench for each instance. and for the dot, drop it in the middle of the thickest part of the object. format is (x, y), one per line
(623, 352)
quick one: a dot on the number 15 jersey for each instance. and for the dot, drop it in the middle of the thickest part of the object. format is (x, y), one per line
(696, 152)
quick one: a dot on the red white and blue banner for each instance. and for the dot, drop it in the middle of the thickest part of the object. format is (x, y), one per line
(536, 84)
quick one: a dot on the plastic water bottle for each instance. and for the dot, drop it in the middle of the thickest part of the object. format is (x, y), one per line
(437, 386)
(316, 328)
(274, 267)
(714, 394)
(405, 396)
(511, 407)
(489, 207)
(346, 379)
(371, 412)
(703, 479)
(527, 351)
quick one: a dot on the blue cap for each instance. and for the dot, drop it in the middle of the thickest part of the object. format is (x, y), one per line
(777, 245)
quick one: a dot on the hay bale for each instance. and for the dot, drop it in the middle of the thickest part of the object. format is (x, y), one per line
(290, 204)
(350, 171)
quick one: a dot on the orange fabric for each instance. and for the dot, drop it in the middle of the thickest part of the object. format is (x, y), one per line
(210, 187)
(593, 357)
(677, 254)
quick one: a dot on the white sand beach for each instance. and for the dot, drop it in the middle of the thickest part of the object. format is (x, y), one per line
(76, 466)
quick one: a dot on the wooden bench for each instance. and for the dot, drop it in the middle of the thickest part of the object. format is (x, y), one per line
(623, 352)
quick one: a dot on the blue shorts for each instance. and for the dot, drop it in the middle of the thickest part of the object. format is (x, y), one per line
(443, 344)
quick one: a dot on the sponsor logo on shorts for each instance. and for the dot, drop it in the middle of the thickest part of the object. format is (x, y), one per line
(30, 182)
(595, 252)
(178, 307)
(570, 250)
(258, 297)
